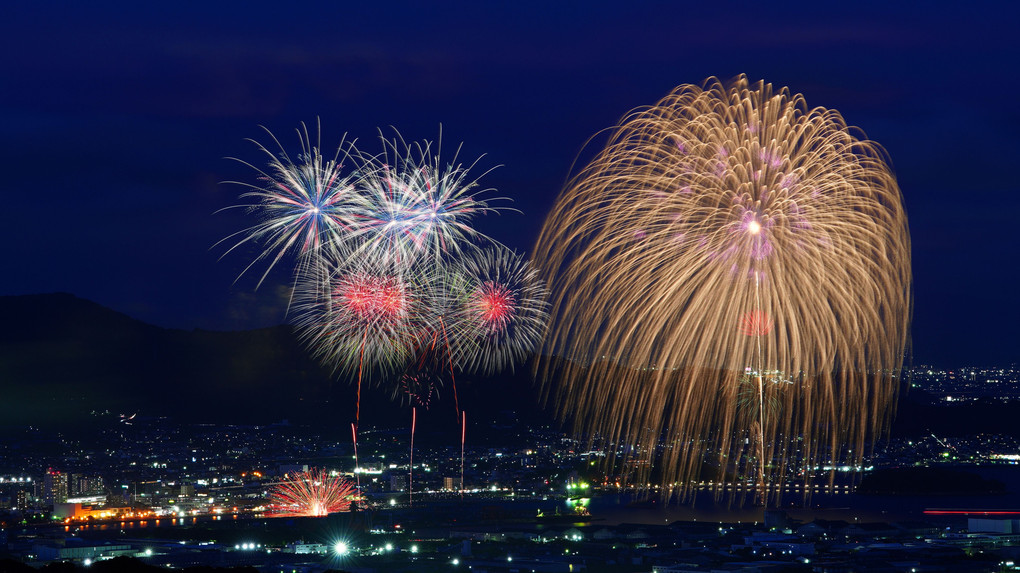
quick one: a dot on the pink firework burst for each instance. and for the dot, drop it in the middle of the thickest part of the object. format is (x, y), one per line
(755, 323)
(314, 493)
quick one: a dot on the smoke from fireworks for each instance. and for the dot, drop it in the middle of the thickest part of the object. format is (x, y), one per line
(312, 494)
(729, 229)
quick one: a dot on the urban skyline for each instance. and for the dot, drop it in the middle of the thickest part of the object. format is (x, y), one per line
(176, 495)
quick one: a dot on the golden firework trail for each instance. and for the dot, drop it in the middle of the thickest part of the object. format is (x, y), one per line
(728, 236)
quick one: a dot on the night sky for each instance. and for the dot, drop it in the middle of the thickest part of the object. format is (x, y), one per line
(116, 119)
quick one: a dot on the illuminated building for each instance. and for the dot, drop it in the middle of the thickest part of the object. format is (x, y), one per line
(55, 487)
(77, 549)
(992, 525)
(85, 485)
(81, 511)
(398, 482)
(21, 500)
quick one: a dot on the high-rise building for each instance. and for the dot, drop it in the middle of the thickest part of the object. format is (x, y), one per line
(451, 483)
(21, 500)
(55, 487)
(398, 482)
(86, 485)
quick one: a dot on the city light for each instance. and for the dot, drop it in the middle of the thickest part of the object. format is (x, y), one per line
(245, 546)
(556, 480)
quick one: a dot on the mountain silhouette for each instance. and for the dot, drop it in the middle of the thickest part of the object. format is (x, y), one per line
(63, 357)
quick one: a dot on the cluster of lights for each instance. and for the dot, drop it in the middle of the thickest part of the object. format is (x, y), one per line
(248, 546)
(384, 549)
(109, 514)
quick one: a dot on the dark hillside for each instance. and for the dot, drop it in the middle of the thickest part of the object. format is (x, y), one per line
(62, 357)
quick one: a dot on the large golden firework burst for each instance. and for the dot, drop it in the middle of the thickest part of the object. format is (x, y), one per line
(732, 286)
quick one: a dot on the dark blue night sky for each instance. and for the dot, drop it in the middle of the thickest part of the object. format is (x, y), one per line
(115, 120)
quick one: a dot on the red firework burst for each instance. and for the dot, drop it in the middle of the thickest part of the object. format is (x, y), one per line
(312, 494)
(755, 323)
(419, 386)
(494, 304)
(358, 315)
(370, 298)
(503, 311)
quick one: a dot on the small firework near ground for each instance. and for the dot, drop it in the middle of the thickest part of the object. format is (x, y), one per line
(313, 493)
